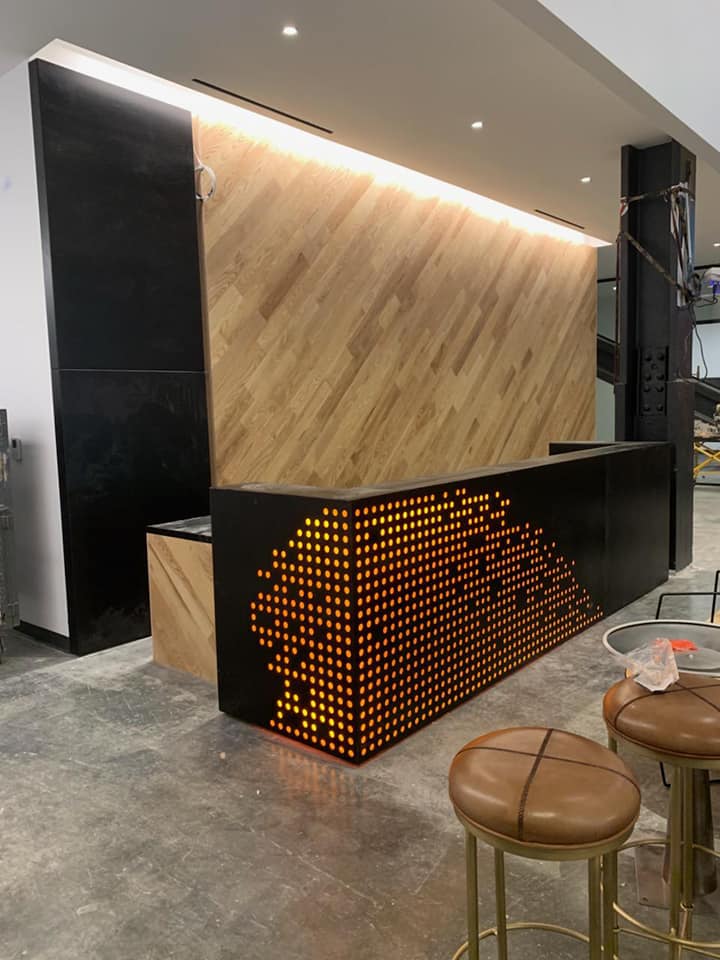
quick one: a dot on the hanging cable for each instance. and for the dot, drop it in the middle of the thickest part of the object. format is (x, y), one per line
(699, 340)
(688, 283)
(200, 170)
(679, 196)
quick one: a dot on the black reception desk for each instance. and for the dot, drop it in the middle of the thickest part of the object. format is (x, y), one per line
(346, 619)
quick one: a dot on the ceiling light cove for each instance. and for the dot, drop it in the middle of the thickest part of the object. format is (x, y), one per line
(290, 31)
(477, 125)
(585, 179)
(251, 125)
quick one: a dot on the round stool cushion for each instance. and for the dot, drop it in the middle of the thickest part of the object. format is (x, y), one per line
(682, 721)
(539, 786)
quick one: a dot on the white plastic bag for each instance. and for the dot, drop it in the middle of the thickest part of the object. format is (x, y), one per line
(653, 665)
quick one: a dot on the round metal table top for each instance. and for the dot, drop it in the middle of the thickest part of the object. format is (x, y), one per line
(706, 637)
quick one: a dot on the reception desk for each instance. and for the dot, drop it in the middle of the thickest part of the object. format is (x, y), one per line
(346, 619)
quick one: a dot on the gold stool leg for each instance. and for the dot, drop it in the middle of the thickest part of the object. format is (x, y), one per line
(676, 835)
(594, 909)
(473, 950)
(609, 885)
(688, 859)
(500, 908)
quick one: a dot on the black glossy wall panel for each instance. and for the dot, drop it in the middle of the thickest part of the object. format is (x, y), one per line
(117, 207)
(134, 453)
(346, 619)
(116, 171)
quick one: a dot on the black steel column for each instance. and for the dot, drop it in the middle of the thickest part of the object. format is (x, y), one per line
(654, 399)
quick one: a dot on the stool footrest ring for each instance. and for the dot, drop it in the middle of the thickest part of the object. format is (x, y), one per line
(645, 932)
(714, 853)
(525, 925)
(708, 948)
(664, 842)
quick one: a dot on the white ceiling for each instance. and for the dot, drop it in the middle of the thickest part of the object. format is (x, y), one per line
(402, 79)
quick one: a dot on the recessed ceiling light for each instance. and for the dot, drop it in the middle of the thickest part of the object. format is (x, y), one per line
(716, 244)
(585, 179)
(290, 31)
(477, 125)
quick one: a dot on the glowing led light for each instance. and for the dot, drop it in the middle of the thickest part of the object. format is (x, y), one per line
(290, 31)
(585, 179)
(426, 632)
(477, 125)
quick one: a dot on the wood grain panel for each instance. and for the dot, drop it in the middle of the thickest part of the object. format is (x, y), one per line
(360, 333)
(182, 609)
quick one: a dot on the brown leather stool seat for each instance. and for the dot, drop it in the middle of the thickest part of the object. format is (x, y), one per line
(544, 794)
(534, 787)
(682, 721)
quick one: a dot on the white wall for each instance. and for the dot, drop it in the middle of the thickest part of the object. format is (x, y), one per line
(710, 336)
(667, 48)
(25, 384)
(658, 56)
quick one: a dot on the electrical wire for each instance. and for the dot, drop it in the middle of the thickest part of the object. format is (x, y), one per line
(687, 282)
(699, 340)
(707, 301)
(202, 169)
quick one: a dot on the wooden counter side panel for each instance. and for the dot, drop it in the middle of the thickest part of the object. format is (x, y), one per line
(182, 606)
(360, 332)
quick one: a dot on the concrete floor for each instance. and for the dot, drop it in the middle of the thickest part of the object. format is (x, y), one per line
(22, 654)
(138, 822)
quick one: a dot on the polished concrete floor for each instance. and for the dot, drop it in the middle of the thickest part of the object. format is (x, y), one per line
(138, 823)
(21, 654)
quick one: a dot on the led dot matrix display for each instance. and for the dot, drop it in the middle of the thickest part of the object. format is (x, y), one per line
(378, 616)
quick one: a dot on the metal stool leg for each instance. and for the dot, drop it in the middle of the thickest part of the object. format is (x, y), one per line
(603, 930)
(609, 885)
(703, 834)
(472, 896)
(500, 908)
(594, 909)
(688, 858)
(676, 834)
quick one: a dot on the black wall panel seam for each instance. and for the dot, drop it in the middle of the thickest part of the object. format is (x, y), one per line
(125, 370)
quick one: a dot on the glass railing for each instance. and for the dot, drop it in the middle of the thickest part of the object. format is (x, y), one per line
(606, 309)
(708, 333)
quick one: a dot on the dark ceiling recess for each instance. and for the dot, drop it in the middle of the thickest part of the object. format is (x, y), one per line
(552, 216)
(263, 106)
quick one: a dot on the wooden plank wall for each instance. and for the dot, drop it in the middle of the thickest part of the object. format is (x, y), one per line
(359, 333)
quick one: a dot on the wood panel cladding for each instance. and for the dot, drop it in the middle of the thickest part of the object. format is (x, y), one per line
(360, 333)
(182, 606)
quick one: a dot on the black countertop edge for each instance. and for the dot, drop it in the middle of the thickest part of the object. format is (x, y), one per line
(595, 450)
(194, 528)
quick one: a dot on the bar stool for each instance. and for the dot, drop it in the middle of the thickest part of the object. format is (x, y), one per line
(546, 795)
(680, 728)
